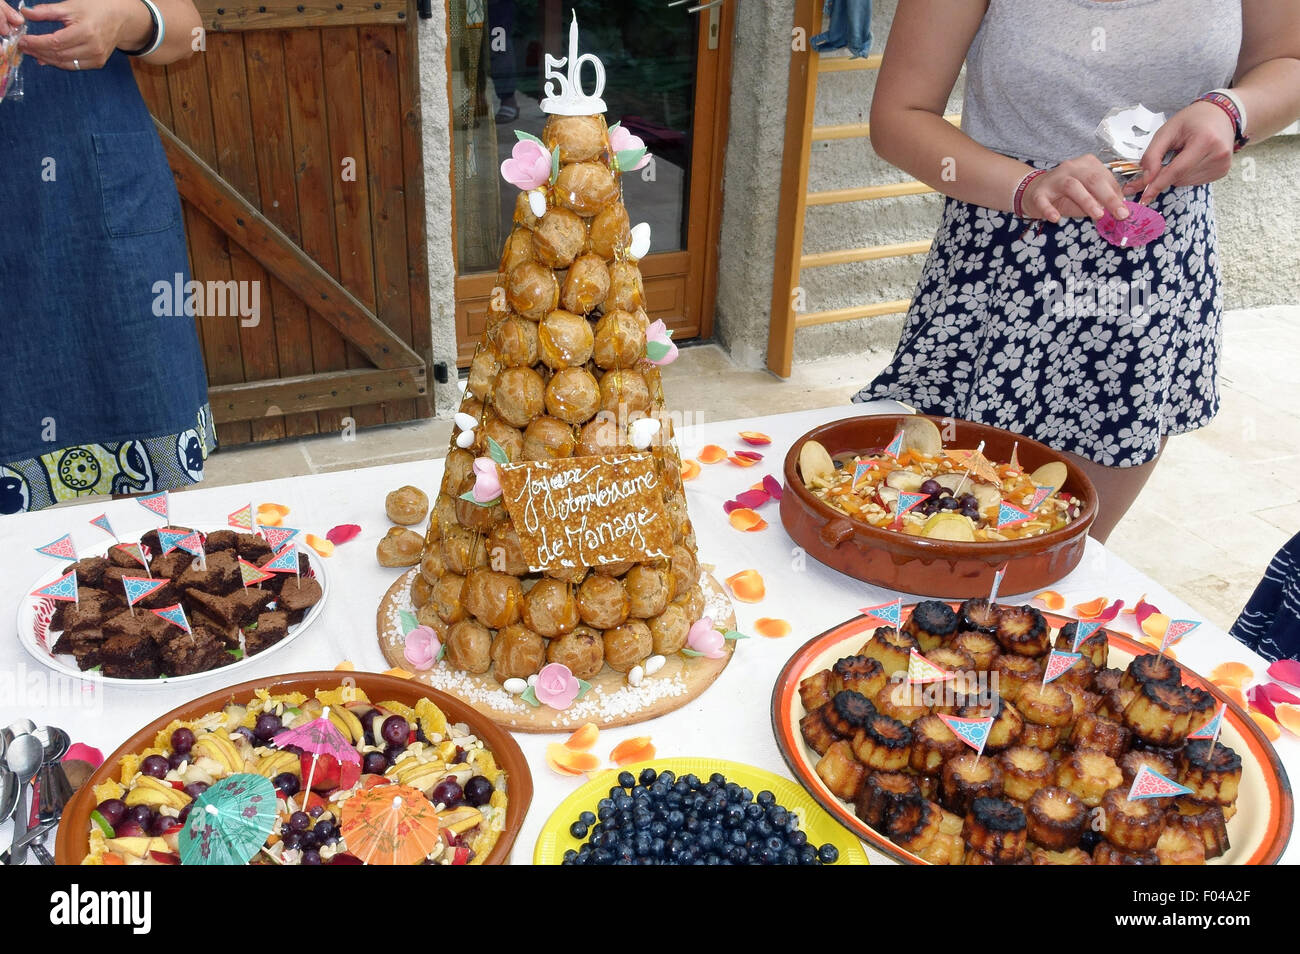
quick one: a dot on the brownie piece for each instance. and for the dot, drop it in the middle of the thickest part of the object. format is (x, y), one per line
(220, 540)
(236, 609)
(90, 570)
(220, 577)
(129, 656)
(270, 628)
(119, 557)
(184, 656)
(297, 596)
(170, 566)
(199, 619)
(150, 538)
(68, 644)
(251, 547)
(90, 609)
(166, 595)
(141, 623)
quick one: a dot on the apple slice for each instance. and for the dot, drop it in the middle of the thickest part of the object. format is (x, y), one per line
(815, 464)
(1052, 474)
(947, 525)
(888, 498)
(921, 437)
(908, 481)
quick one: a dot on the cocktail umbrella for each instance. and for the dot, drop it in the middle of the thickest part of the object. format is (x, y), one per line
(229, 822)
(318, 737)
(389, 825)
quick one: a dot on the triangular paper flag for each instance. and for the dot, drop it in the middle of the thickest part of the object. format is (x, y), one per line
(921, 670)
(277, 537)
(174, 614)
(135, 551)
(908, 501)
(1151, 784)
(1176, 630)
(138, 587)
(1040, 494)
(1212, 728)
(169, 540)
(242, 518)
(974, 732)
(102, 522)
(286, 561)
(252, 574)
(895, 447)
(64, 588)
(891, 614)
(1082, 630)
(861, 469)
(1009, 515)
(61, 548)
(1059, 663)
(190, 543)
(156, 503)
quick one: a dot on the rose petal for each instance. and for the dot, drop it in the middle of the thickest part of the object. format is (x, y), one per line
(730, 506)
(1051, 599)
(399, 673)
(741, 461)
(1155, 625)
(564, 761)
(636, 749)
(1142, 610)
(347, 665)
(269, 518)
(752, 499)
(1232, 692)
(1090, 609)
(742, 518)
(690, 469)
(584, 738)
(747, 586)
(772, 486)
(1264, 697)
(712, 454)
(342, 533)
(754, 456)
(1231, 674)
(1267, 725)
(1286, 670)
(772, 628)
(1111, 611)
(324, 547)
(1288, 716)
(755, 438)
(761, 525)
(281, 509)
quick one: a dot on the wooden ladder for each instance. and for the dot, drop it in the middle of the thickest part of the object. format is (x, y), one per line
(790, 258)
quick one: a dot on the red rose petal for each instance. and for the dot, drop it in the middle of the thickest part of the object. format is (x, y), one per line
(1264, 697)
(1286, 670)
(772, 486)
(753, 498)
(342, 533)
(754, 456)
(755, 438)
(1143, 610)
(1111, 611)
(730, 505)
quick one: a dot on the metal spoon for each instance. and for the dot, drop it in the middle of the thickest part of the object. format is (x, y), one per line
(53, 787)
(8, 793)
(24, 759)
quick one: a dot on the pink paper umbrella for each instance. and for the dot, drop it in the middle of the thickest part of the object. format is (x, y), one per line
(318, 737)
(1143, 225)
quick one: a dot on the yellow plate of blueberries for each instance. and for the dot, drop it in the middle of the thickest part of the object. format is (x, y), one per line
(832, 843)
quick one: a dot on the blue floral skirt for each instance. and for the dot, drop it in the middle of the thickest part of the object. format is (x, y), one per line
(1056, 334)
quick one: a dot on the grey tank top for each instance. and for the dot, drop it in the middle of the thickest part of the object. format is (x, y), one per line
(1041, 74)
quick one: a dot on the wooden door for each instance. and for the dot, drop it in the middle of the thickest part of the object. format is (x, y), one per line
(681, 282)
(294, 138)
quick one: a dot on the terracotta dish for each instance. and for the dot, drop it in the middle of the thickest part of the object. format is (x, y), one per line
(942, 568)
(74, 830)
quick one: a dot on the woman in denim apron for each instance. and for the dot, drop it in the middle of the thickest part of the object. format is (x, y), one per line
(98, 393)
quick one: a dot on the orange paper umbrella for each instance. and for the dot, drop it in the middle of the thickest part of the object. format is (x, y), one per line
(979, 466)
(390, 825)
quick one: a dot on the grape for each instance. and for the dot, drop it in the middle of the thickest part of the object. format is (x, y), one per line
(395, 730)
(113, 810)
(374, 763)
(478, 791)
(268, 724)
(129, 828)
(176, 760)
(931, 487)
(969, 500)
(155, 765)
(184, 813)
(291, 839)
(447, 792)
(248, 734)
(142, 815)
(287, 784)
(368, 725)
(393, 752)
(949, 503)
(182, 741)
(195, 789)
(159, 824)
(311, 857)
(299, 821)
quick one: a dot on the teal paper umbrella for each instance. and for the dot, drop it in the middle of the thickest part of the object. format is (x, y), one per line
(228, 823)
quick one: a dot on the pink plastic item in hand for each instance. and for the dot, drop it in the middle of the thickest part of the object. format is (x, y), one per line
(1143, 225)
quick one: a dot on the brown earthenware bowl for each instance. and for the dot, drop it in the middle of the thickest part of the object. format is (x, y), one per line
(74, 830)
(942, 568)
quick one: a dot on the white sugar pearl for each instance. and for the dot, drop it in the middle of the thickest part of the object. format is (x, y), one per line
(640, 245)
(465, 439)
(654, 664)
(466, 422)
(537, 202)
(635, 676)
(532, 680)
(514, 686)
(644, 430)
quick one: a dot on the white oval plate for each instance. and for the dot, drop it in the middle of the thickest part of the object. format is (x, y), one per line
(34, 615)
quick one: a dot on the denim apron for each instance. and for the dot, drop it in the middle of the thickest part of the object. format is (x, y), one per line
(99, 392)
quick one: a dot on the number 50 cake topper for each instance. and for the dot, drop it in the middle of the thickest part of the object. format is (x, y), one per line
(564, 93)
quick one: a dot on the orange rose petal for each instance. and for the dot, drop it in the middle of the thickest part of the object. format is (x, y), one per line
(269, 518)
(1051, 599)
(1155, 626)
(712, 454)
(742, 518)
(346, 665)
(584, 738)
(756, 438)
(772, 628)
(1288, 716)
(322, 546)
(758, 486)
(1271, 730)
(399, 673)
(636, 749)
(1232, 693)
(281, 509)
(1231, 674)
(690, 469)
(747, 586)
(1091, 608)
(742, 461)
(761, 525)
(564, 761)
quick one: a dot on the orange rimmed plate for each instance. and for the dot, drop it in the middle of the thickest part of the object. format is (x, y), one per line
(1259, 832)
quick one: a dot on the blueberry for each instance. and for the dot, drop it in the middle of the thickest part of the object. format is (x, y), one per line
(796, 839)
(737, 854)
(807, 855)
(737, 837)
(570, 857)
(766, 798)
(828, 854)
(753, 812)
(578, 830)
(676, 819)
(789, 856)
(763, 829)
(692, 780)
(1090, 840)
(746, 795)
(601, 856)
(658, 830)
(626, 779)
(717, 778)
(615, 792)
(667, 778)
(647, 776)
(587, 818)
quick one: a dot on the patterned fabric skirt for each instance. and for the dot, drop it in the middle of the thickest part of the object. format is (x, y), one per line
(1058, 335)
(1270, 621)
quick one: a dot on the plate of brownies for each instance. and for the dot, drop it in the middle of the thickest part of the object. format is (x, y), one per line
(100, 636)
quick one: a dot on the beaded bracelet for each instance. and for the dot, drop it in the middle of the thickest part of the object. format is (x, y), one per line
(1229, 105)
(1017, 199)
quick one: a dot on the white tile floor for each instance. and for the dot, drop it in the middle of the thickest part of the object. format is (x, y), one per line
(1219, 505)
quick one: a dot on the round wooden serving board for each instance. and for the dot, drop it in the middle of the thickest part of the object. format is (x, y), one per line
(609, 703)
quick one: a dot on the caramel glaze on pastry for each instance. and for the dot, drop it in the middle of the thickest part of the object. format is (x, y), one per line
(966, 778)
(1008, 724)
(892, 648)
(981, 647)
(1025, 770)
(1014, 672)
(1022, 630)
(931, 623)
(933, 744)
(842, 773)
(883, 744)
(1133, 825)
(996, 829)
(978, 616)
(1211, 770)
(1056, 818)
(1093, 731)
(1205, 822)
(1148, 668)
(1107, 854)
(1178, 846)
(1089, 775)
(862, 674)
(1095, 648)
(881, 793)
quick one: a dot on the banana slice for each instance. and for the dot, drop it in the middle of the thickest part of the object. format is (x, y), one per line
(921, 437)
(1052, 474)
(815, 464)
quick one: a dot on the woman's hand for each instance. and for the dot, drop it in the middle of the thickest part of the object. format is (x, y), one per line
(1078, 187)
(91, 31)
(10, 19)
(1202, 135)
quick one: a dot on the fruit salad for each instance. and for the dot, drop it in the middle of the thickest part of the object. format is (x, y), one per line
(139, 815)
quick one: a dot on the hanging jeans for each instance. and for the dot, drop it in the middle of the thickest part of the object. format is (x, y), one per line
(848, 26)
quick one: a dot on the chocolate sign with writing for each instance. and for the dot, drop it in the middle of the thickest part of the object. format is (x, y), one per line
(587, 511)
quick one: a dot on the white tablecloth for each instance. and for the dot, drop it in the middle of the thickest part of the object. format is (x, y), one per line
(731, 720)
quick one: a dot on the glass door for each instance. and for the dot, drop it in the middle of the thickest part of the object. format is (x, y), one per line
(666, 81)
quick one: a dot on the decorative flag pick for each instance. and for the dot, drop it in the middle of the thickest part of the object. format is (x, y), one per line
(169, 540)
(1082, 630)
(277, 537)
(242, 518)
(286, 561)
(135, 551)
(175, 614)
(64, 588)
(921, 670)
(138, 587)
(193, 543)
(1014, 462)
(891, 614)
(997, 582)
(974, 732)
(251, 573)
(1058, 663)
(157, 504)
(1176, 630)
(61, 548)
(1151, 784)
(860, 470)
(1040, 494)
(102, 522)
(977, 454)
(895, 447)
(1211, 729)
(906, 502)
(1009, 515)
